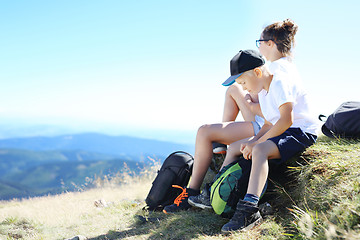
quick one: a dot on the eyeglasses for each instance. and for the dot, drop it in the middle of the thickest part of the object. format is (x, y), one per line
(258, 42)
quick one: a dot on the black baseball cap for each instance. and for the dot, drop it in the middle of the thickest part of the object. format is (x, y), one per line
(243, 61)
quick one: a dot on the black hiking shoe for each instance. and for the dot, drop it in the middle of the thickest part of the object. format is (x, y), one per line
(246, 216)
(181, 202)
(202, 200)
(265, 209)
(219, 148)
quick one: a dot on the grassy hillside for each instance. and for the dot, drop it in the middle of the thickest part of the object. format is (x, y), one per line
(25, 173)
(34, 166)
(319, 200)
(17, 160)
(58, 177)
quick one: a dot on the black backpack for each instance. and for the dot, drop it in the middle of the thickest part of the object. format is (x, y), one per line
(344, 122)
(175, 170)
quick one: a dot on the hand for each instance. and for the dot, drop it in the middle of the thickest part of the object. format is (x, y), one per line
(246, 149)
(248, 98)
(251, 98)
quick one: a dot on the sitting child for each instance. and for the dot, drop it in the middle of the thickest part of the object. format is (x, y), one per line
(288, 129)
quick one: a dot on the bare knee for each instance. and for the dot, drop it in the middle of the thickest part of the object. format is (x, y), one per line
(233, 151)
(204, 131)
(260, 152)
(235, 91)
(256, 151)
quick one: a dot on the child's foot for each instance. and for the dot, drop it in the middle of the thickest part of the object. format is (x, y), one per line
(181, 202)
(246, 216)
(219, 148)
(265, 209)
(202, 200)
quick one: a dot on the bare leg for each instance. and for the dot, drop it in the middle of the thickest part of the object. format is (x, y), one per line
(226, 133)
(233, 152)
(260, 167)
(235, 102)
(222, 132)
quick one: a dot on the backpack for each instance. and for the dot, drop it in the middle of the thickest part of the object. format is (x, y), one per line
(175, 170)
(229, 186)
(343, 122)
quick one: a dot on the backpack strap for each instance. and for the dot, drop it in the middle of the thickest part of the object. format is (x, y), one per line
(181, 152)
(321, 116)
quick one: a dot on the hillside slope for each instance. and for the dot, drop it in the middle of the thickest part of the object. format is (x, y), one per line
(57, 177)
(17, 160)
(320, 200)
(36, 166)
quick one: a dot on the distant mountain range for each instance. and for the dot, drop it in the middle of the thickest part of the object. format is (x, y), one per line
(34, 166)
(131, 148)
(52, 177)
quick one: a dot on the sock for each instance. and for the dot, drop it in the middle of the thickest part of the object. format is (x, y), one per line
(251, 198)
(192, 192)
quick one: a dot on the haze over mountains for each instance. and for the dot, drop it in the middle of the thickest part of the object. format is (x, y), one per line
(118, 146)
(33, 166)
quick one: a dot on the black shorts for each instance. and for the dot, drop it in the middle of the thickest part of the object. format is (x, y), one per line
(291, 142)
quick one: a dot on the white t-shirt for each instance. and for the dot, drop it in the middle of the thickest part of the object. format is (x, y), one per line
(286, 86)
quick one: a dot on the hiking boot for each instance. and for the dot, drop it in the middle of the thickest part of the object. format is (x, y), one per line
(246, 216)
(181, 202)
(219, 148)
(202, 200)
(265, 209)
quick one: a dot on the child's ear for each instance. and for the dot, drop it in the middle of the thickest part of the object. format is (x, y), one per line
(271, 43)
(258, 72)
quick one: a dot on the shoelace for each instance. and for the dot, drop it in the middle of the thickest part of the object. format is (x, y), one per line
(182, 195)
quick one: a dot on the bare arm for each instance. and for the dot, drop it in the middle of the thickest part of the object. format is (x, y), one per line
(254, 105)
(269, 131)
(285, 121)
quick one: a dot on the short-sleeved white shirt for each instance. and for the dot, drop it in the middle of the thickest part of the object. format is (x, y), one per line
(286, 87)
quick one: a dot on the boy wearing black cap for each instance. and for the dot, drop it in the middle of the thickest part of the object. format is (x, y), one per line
(289, 128)
(224, 132)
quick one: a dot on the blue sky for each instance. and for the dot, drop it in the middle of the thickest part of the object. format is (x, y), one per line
(134, 65)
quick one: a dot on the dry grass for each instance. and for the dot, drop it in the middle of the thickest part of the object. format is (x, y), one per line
(73, 213)
(328, 193)
(323, 202)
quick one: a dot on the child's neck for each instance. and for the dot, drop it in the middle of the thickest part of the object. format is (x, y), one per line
(267, 81)
(276, 56)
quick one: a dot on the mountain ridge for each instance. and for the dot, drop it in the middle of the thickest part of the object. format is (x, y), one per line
(33, 166)
(98, 143)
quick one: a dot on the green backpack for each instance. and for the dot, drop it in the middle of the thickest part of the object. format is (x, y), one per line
(229, 186)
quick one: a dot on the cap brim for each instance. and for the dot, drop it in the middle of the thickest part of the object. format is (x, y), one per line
(231, 80)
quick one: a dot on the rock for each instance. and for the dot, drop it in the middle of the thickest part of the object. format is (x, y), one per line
(78, 237)
(101, 203)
